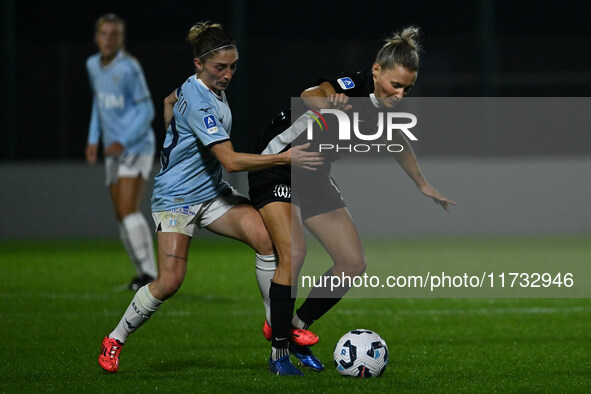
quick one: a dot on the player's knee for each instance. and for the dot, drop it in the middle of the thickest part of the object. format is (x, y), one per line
(298, 255)
(262, 243)
(166, 287)
(290, 255)
(361, 266)
(354, 266)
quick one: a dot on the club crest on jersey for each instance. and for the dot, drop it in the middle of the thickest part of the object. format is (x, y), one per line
(346, 83)
(210, 124)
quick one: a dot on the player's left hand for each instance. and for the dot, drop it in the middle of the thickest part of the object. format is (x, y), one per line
(439, 198)
(115, 149)
(300, 157)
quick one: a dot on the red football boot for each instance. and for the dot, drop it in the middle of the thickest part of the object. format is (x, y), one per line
(298, 336)
(109, 357)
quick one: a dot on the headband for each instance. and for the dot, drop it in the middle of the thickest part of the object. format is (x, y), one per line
(216, 49)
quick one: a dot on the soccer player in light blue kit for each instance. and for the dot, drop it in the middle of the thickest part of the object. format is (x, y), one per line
(189, 190)
(122, 113)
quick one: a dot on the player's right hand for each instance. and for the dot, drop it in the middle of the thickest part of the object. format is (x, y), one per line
(299, 157)
(91, 153)
(115, 149)
(339, 101)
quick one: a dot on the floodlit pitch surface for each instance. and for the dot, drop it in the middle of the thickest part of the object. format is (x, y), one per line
(59, 299)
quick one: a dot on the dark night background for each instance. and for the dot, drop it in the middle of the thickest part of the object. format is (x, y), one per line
(471, 48)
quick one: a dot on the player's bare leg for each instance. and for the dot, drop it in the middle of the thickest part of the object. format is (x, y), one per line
(283, 220)
(173, 253)
(134, 230)
(337, 233)
(244, 223)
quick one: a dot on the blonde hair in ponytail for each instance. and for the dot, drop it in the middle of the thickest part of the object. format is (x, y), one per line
(402, 48)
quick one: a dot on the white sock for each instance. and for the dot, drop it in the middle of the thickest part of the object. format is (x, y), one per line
(138, 312)
(129, 249)
(299, 323)
(276, 354)
(138, 241)
(265, 270)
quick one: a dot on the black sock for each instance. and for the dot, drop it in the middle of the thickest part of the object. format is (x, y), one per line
(320, 300)
(282, 305)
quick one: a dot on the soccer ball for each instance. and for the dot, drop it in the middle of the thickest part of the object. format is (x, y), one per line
(361, 353)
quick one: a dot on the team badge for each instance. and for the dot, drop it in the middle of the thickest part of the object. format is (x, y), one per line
(210, 124)
(346, 83)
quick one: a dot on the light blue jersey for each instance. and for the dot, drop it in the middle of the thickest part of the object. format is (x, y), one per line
(122, 109)
(190, 173)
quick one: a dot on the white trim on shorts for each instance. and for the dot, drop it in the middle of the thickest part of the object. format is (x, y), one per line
(184, 219)
(127, 166)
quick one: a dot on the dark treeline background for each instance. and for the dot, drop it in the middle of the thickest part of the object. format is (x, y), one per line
(471, 48)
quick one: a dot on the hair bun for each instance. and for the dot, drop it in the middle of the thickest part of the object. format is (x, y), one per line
(401, 48)
(197, 31)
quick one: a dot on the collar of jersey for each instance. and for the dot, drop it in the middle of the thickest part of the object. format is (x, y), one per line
(205, 86)
(113, 62)
(374, 100)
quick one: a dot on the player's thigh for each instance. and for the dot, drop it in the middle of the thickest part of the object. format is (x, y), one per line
(284, 223)
(244, 223)
(126, 178)
(337, 233)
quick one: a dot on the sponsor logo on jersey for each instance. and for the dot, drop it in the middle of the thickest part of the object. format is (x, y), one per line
(210, 124)
(111, 101)
(346, 83)
(282, 191)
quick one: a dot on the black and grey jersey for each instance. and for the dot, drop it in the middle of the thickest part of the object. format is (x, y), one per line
(282, 132)
(358, 84)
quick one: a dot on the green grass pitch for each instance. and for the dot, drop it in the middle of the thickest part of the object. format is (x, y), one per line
(60, 298)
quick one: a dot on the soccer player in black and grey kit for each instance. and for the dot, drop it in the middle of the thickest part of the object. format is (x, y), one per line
(316, 202)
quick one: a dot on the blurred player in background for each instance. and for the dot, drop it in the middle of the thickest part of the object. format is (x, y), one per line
(317, 203)
(189, 191)
(122, 113)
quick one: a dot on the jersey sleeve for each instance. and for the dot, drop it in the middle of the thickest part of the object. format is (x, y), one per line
(350, 83)
(207, 127)
(94, 129)
(137, 82)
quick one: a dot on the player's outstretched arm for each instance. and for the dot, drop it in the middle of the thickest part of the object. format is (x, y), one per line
(233, 161)
(169, 103)
(408, 161)
(324, 96)
(439, 198)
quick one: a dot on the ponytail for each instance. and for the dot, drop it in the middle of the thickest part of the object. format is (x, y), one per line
(402, 49)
